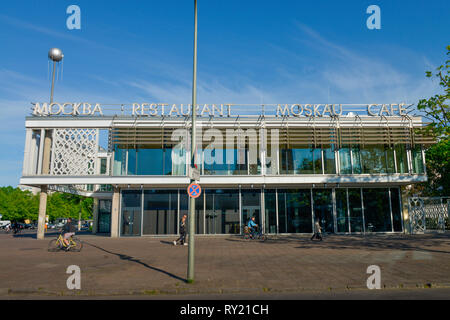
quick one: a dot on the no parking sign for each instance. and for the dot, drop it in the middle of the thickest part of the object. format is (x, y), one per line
(194, 190)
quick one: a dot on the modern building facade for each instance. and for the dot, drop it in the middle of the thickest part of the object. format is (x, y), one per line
(287, 165)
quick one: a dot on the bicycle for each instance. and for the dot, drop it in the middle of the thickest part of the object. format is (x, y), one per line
(255, 235)
(55, 245)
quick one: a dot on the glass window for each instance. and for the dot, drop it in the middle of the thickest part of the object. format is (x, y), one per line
(160, 212)
(345, 164)
(271, 160)
(132, 155)
(355, 207)
(402, 159)
(270, 207)
(328, 160)
(303, 161)
(323, 209)
(356, 154)
(294, 211)
(341, 210)
(103, 165)
(179, 161)
(390, 160)
(396, 209)
(377, 213)
(417, 160)
(373, 159)
(131, 213)
(287, 165)
(149, 160)
(120, 156)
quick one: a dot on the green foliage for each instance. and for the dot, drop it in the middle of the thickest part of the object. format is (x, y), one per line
(437, 109)
(19, 205)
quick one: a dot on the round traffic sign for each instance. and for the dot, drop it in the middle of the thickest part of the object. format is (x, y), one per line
(194, 190)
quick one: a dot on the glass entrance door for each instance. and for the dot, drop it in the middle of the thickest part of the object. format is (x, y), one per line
(131, 213)
(250, 206)
(222, 211)
(323, 209)
(104, 216)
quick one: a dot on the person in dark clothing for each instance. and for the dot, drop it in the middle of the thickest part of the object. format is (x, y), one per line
(68, 230)
(182, 238)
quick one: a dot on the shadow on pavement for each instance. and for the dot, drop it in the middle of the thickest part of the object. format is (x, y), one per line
(132, 259)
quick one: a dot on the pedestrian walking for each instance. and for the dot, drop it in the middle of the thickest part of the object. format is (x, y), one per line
(317, 231)
(182, 239)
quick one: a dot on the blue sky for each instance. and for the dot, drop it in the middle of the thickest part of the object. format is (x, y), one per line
(248, 52)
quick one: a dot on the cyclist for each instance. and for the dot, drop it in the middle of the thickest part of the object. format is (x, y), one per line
(68, 230)
(252, 226)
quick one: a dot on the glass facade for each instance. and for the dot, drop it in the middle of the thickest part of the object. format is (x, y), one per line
(226, 211)
(287, 160)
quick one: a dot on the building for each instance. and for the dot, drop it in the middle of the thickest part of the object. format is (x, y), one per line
(288, 165)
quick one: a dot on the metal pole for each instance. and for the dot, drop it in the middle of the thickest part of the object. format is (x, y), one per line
(190, 271)
(53, 82)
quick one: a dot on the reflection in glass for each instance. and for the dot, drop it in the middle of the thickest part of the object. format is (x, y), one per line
(402, 159)
(341, 210)
(417, 160)
(377, 212)
(131, 213)
(323, 209)
(356, 154)
(345, 164)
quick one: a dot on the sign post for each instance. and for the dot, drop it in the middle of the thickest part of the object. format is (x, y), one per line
(191, 249)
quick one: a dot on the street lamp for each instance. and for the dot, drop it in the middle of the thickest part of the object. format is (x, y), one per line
(190, 271)
(55, 55)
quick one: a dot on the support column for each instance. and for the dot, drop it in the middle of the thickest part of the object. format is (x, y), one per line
(115, 213)
(42, 213)
(405, 212)
(44, 188)
(95, 216)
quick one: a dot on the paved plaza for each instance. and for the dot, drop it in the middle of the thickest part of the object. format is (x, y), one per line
(225, 265)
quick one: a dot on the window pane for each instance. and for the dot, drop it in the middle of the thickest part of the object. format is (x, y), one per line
(417, 161)
(328, 160)
(295, 205)
(323, 209)
(377, 213)
(341, 210)
(149, 161)
(303, 160)
(270, 211)
(396, 209)
(345, 164)
(120, 156)
(373, 159)
(390, 161)
(251, 206)
(131, 213)
(356, 153)
(160, 212)
(317, 158)
(402, 159)
(222, 211)
(355, 206)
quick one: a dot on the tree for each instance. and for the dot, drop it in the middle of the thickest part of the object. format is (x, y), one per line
(437, 110)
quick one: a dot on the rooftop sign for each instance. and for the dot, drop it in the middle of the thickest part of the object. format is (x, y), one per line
(218, 110)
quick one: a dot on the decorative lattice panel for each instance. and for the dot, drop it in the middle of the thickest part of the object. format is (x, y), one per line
(74, 151)
(428, 213)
